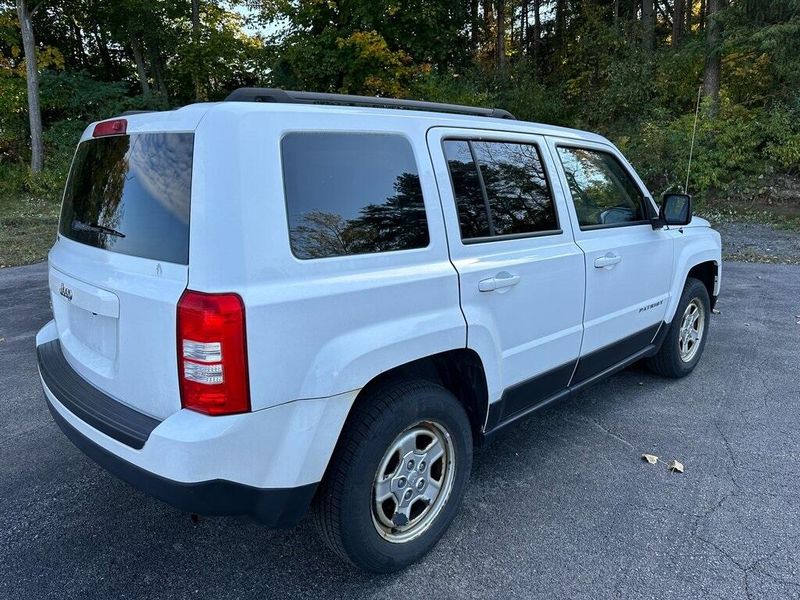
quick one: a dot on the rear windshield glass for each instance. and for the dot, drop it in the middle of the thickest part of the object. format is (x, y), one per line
(130, 194)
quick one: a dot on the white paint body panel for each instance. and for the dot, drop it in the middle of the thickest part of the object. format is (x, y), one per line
(319, 330)
(323, 326)
(525, 330)
(118, 330)
(283, 447)
(632, 295)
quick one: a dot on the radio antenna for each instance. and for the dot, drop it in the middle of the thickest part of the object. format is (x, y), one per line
(694, 134)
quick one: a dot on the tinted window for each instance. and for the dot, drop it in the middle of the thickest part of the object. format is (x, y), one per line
(519, 198)
(506, 194)
(130, 194)
(602, 190)
(352, 194)
(473, 218)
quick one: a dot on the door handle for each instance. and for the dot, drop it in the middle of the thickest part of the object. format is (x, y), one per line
(609, 260)
(499, 281)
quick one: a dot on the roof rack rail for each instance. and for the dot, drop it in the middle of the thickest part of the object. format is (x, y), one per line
(291, 97)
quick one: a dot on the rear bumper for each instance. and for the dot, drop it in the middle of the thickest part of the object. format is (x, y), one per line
(265, 464)
(276, 507)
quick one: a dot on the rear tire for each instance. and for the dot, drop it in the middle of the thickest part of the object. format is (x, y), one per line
(397, 477)
(686, 338)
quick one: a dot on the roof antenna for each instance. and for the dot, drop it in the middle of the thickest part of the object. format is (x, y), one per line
(694, 133)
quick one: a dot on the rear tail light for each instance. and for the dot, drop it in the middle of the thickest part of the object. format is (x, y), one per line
(212, 353)
(113, 127)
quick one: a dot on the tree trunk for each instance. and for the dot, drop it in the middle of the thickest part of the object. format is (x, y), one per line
(102, 50)
(80, 46)
(500, 9)
(32, 79)
(560, 22)
(677, 23)
(616, 13)
(648, 24)
(537, 31)
(712, 73)
(199, 94)
(136, 49)
(474, 28)
(523, 27)
(158, 72)
(689, 11)
(701, 19)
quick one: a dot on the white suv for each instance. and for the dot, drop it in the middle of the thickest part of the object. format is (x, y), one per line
(291, 297)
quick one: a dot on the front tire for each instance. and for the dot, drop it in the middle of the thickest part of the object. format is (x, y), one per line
(397, 476)
(686, 338)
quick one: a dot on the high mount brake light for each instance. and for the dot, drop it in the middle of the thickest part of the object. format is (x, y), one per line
(113, 127)
(212, 353)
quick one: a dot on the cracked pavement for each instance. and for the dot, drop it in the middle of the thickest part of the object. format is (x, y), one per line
(560, 506)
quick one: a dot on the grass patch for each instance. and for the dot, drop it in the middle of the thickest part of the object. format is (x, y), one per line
(28, 224)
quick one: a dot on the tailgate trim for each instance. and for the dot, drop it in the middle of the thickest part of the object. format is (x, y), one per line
(88, 297)
(89, 404)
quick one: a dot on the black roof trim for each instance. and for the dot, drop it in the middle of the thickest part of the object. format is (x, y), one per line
(291, 97)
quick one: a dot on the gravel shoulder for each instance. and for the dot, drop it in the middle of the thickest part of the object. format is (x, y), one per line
(759, 243)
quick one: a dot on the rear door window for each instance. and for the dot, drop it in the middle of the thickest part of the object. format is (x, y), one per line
(500, 188)
(352, 193)
(131, 194)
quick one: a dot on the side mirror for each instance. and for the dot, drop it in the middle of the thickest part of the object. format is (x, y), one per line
(676, 209)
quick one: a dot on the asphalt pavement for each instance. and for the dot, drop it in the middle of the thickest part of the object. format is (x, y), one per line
(560, 506)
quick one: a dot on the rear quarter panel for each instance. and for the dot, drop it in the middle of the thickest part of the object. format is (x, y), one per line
(318, 327)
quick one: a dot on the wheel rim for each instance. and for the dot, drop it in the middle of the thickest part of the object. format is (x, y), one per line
(692, 329)
(413, 482)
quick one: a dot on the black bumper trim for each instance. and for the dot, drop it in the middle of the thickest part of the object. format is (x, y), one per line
(274, 507)
(89, 404)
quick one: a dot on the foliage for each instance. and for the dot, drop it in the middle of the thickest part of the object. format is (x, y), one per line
(590, 70)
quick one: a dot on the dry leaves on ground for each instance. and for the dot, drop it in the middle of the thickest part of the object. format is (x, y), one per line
(676, 467)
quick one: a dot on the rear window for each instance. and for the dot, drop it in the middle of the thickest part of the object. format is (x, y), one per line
(131, 194)
(352, 193)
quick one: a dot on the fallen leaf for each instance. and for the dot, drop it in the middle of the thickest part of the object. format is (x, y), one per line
(676, 467)
(747, 324)
(716, 311)
(652, 459)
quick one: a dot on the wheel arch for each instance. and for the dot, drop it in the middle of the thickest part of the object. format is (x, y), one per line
(460, 371)
(698, 255)
(706, 272)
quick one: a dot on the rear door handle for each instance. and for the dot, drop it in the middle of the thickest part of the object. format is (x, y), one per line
(609, 260)
(499, 281)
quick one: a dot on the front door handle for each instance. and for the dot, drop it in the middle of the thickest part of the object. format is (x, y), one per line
(498, 282)
(609, 260)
